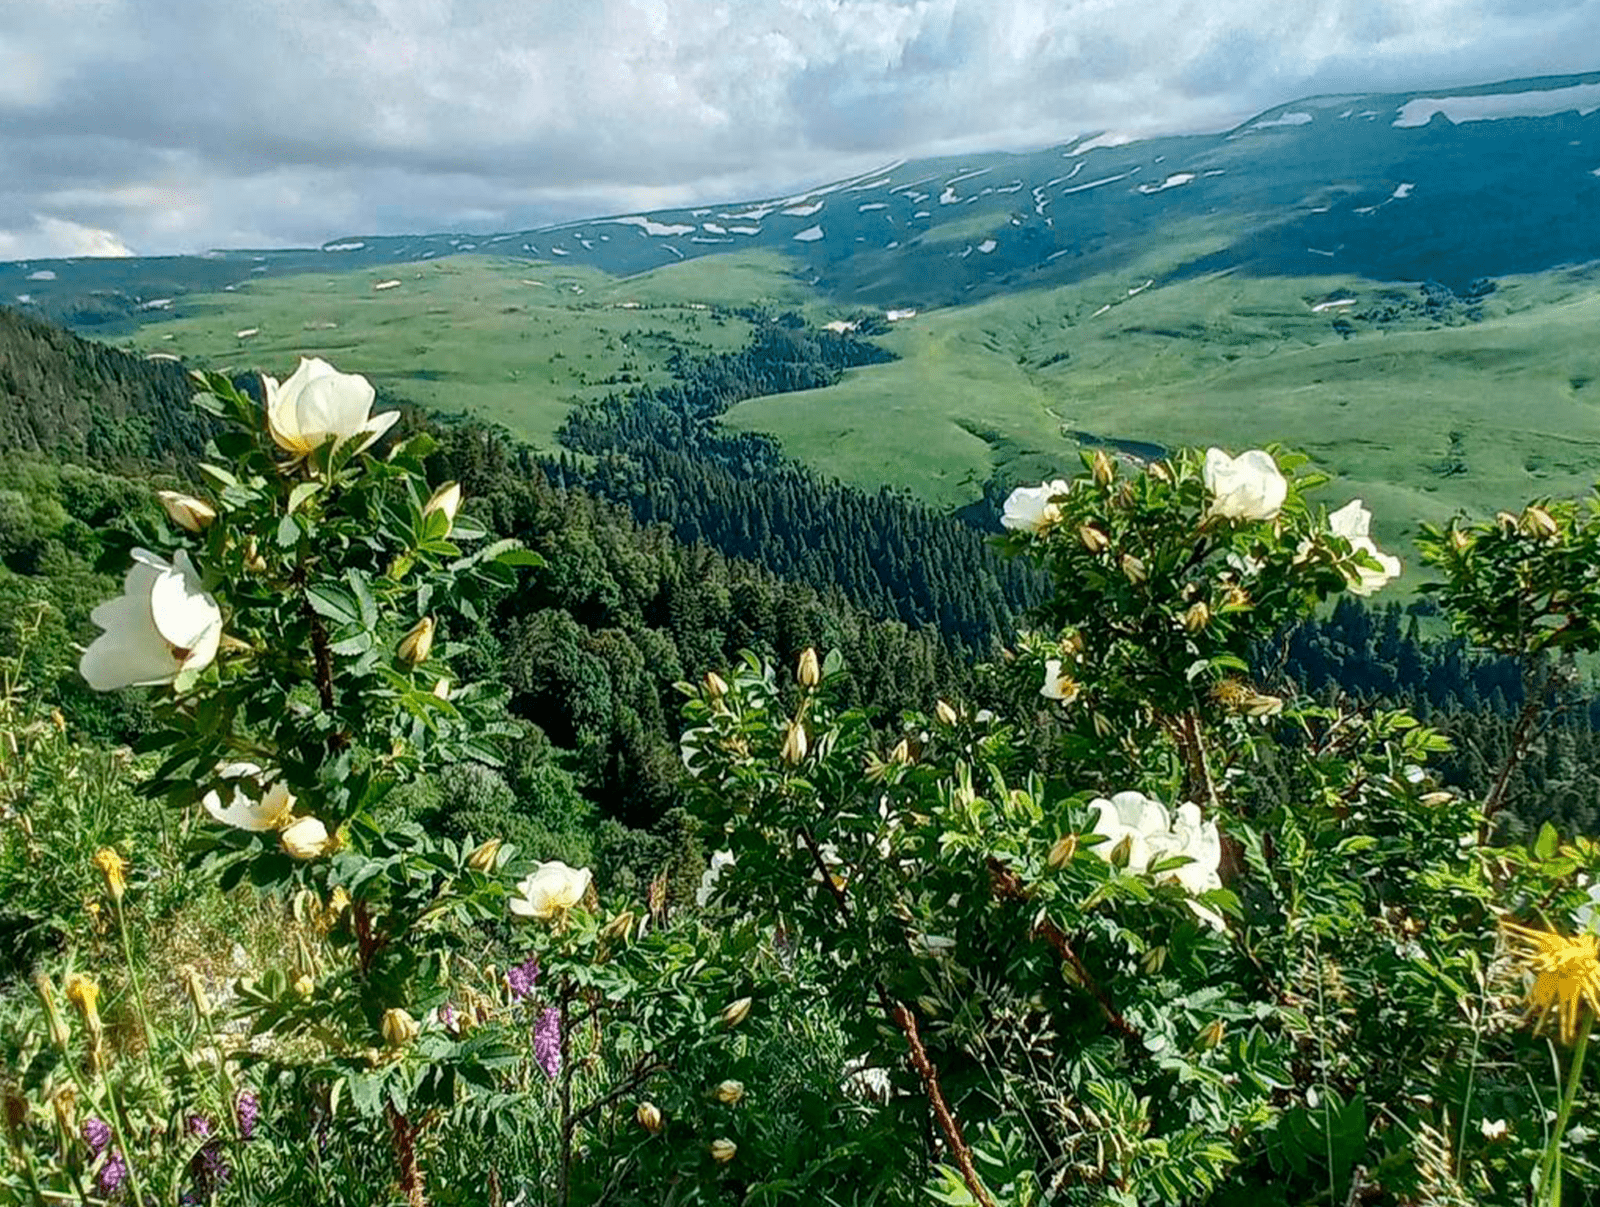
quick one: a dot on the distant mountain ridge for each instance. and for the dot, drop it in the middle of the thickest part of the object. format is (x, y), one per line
(1444, 184)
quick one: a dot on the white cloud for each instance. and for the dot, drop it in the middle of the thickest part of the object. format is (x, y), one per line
(52, 238)
(304, 120)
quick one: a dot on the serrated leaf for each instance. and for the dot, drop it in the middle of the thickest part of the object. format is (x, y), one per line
(333, 602)
(301, 493)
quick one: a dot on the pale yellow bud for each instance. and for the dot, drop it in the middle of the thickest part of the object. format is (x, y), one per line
(945, 714)
(195, 988)
(1538, 523)
(723, 1151)
(484, 855)
(304, 985)
(1159, 471)
(1093, 539)
(60, 1036)
(1062, 851)
(186, 511)
(620, 927)
(1459, 540)
(304, 838)
(1103, 468)
(447, 500)
(1133, 568)
(1259, 705)
(716, 686)
(794, 744)
(1197, 617)
(1102, 724)
(112, 867)
(735, 1013)
(441, 689)
(1154, 960)
(649, 1117)
(399, 1028)
(730, 1092)
(1121, 853)
(1212, 1035)
(253, 561)
(417, 644)
(809, 672)
(901, 753)
(1436, 798)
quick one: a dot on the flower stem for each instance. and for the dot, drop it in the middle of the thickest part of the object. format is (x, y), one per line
(138, 990)
(1550, 1167)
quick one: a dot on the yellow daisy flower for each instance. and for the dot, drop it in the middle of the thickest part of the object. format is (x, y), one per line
(1566, 974)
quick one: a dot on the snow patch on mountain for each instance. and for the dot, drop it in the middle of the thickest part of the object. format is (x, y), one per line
(1107, 139)
(1544, 102)
(1094, 184)
(651, 227)
(352, 245)
(810, 235)
(871, 205)
(1171, 182)
(1402, 191)
(803, 211)
(1286, 119)
(987, 246)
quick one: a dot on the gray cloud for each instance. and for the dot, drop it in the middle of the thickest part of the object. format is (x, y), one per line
(175, 125)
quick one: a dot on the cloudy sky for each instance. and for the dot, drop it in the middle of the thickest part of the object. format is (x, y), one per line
(163, 126)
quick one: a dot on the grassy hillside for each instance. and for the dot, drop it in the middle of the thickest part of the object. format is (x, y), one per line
(511, 341)
(1422, 411)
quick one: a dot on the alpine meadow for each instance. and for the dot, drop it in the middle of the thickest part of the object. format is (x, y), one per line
(1004, 679)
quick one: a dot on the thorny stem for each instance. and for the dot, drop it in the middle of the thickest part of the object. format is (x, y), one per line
(568, 1120)
(405, 1150)
(906, 1021)
(1009, 886)
(1520, 739)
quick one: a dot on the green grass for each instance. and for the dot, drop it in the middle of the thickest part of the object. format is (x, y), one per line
(512, 341)
(1229, 360)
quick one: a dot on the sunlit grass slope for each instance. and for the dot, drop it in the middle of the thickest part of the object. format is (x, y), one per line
(511, 341)
(1419, 417)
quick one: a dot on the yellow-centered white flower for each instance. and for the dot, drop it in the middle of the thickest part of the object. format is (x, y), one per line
(550, 890)
(318, 404)
(255, 802)
(1246, 487)
(1353, 522)
(1030, 508)
(1140, 832)
(162, 624)
(1058, 684)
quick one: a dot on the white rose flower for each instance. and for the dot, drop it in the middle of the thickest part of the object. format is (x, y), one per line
(550, 890)
(255, 803)
(1353, 522)
(161, 624)
(305, 838)
(317, 404)
(1058, 685)
(1246, 487)
(1029, 508)
(709, 878)
(1133, 816)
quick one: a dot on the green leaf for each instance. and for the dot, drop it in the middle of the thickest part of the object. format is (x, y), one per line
(333, 602)
(1547, 843)
(288, 532)
(301, 493)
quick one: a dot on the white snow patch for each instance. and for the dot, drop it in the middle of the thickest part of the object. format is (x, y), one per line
(948, 197)
(965, 252)
(839, 325)
(526, 281)
(1138, 289)
(754, 214)
(1287, 119)
(804, 211)
(894, 316)
(1054, 254)
(744, 230)
(470, 246)
(1107, 139)
(987, 246)
(1094, 184)
(1101, 311)
(1317, 251)
(708, 239)
(246, 332)
(891, 246)
(1171, 182)
(1402, 191)
(1345, 114)
(917, 198)
(25, 299)
(1217, 172)
(959, 177)
(810, 235)
(561, 251)
(1544, 102)
(627, 305)
(1366, 209)
(389, 284)
(651, 227)
(1011, 188)
(713, 228)
(673, 250)
(1335, 304)
(156, 304)
(922, 214)
(1596, 172)
(160, 356)
(871, 205)
(699, 213)
(588, 245)
(43, 274)
(871, 184)
(577, 289)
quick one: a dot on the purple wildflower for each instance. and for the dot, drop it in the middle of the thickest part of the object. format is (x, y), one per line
(198, 1125)
(112, 1175)
(97, 1135)
(447, 1017)
(520, 979)
(547, 1042)
(248, 1107)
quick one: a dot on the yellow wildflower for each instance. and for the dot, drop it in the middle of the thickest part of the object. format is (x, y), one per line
(112, 866)
(1566, 974)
